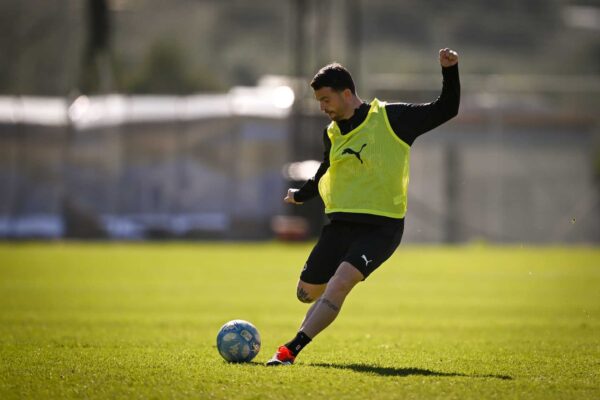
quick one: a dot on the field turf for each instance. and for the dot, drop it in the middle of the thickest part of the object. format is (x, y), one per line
(140, 321)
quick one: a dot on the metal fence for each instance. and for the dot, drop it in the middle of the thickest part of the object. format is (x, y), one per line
(138, 167)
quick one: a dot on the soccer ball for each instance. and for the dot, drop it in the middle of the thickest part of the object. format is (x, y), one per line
(238, 341)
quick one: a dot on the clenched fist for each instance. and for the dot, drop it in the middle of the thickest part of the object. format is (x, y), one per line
(448, 57)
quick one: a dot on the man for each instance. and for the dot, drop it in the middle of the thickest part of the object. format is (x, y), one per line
(363, 182)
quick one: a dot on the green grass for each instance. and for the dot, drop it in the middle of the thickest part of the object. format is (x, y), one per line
(140, 321)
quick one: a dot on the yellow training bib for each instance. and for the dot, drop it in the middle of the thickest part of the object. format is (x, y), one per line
(368, 168)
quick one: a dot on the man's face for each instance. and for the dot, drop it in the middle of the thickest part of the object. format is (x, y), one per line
(332, 102)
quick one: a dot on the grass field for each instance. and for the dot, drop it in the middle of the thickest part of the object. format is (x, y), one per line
(140, 321)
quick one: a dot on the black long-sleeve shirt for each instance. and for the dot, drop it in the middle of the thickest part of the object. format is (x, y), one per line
(408, 121)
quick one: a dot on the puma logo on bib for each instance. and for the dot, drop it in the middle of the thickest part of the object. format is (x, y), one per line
(348, 150)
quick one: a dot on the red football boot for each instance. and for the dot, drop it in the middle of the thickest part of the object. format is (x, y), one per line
(283, 357)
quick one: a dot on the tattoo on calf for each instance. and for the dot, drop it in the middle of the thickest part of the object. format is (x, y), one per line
(303, 296)
(329, 304)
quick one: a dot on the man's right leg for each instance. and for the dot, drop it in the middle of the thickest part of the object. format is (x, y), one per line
(306, 293)
(327, 308)
(309, 293)
(318, 270)
(322, 313)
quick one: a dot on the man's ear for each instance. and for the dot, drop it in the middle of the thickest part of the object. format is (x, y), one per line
(347, 93)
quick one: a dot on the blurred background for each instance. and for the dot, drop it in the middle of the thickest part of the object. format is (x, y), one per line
(189, 119)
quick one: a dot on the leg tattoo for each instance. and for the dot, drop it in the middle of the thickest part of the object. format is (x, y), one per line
(303, 296)
(319, 316)
(329, 304)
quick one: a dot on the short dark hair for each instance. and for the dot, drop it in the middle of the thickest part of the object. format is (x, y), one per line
(334, 76)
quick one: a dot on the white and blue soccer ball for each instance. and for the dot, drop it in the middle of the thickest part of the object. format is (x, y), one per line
(238, 341)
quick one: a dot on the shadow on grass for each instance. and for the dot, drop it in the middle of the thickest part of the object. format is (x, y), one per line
(390, 371)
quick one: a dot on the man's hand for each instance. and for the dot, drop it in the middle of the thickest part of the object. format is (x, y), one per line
(290, 197)
(448, 57)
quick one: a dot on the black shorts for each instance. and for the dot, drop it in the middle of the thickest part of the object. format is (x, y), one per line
(365, 246)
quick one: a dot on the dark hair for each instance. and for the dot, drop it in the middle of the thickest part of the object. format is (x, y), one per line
(334, 76)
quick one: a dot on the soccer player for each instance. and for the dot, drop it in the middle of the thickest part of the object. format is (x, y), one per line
(363, 182)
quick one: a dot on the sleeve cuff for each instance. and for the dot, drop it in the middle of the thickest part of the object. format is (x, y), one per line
(451, 69)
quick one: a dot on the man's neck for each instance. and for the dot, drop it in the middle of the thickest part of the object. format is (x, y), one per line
(356, 102)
